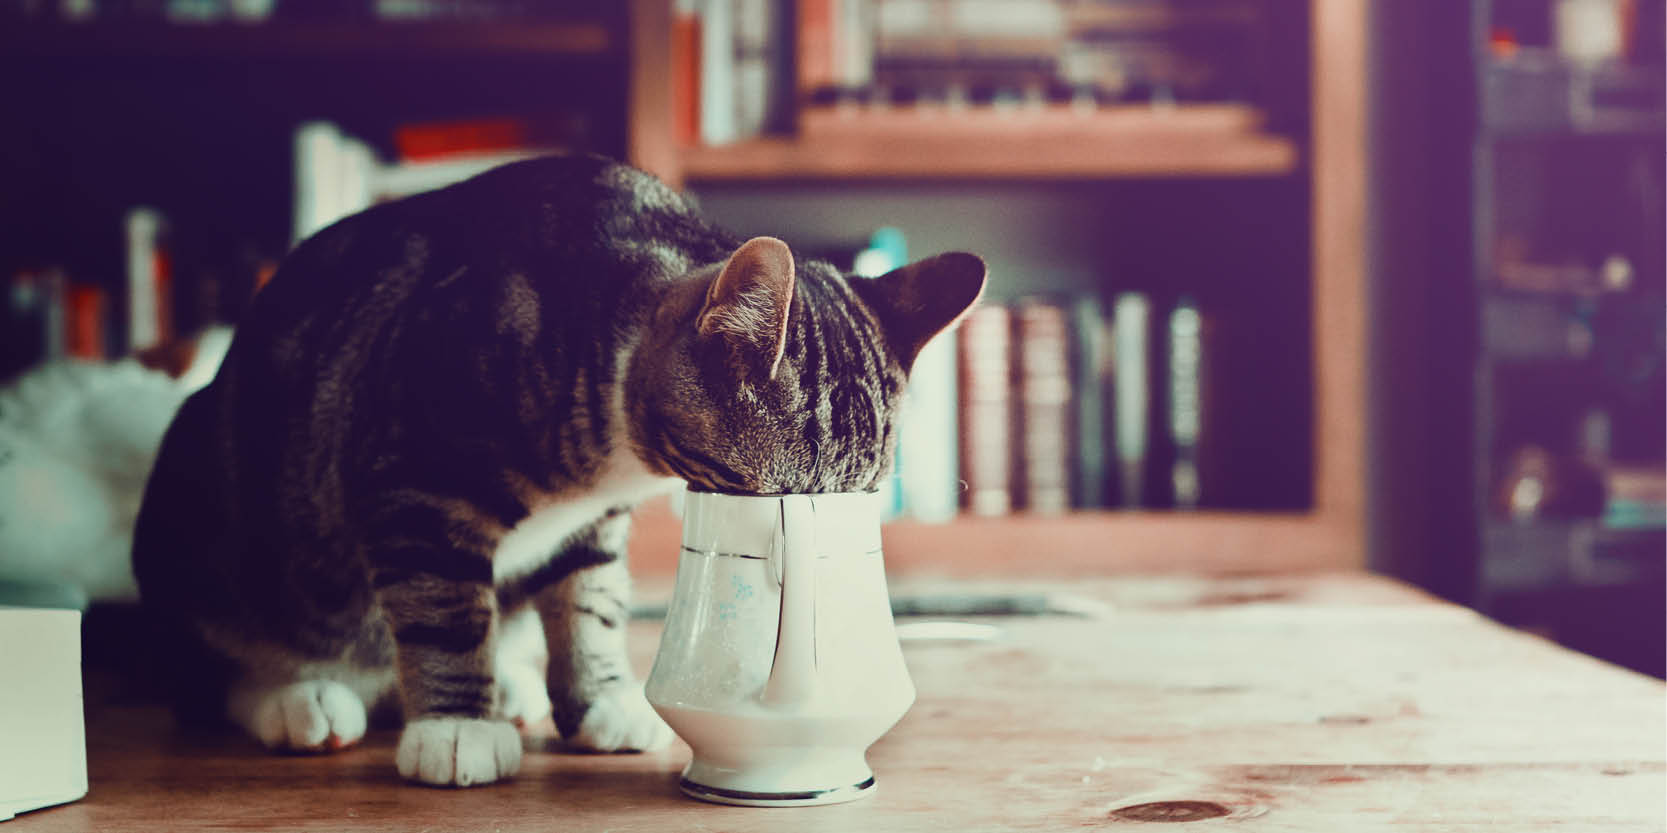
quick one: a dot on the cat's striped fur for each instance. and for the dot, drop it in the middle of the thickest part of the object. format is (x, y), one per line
(413, 472)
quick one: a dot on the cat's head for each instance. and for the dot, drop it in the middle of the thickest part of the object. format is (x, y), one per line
(765, 376)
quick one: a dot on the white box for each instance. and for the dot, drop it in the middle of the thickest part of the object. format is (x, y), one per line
(43, 736)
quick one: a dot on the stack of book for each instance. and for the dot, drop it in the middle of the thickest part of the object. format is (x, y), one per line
(735, 79)
(175, 278)
(1064, 403)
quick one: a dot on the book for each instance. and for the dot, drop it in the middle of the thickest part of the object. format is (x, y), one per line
(336, 174)
(927, 440)
(1043, 382)
(853, 44)
(814, 40)
(685, 72)
(754, 22)
(1186, 401)
(986, 418)
(149, 281)
(1092, 376)
(717, 73)
(86, 322)
(1131, 391)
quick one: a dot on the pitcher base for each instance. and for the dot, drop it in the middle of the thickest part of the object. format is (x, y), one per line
(802, 798)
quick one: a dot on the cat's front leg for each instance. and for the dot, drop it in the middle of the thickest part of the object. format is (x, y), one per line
(441, 606)
(597, 703)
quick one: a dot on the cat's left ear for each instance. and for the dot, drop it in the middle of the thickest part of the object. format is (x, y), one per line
(920, 300)
(747, 304)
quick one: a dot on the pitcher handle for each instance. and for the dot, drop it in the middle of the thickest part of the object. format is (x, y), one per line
(792, 680)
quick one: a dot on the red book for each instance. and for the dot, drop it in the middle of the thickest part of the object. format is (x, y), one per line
(1044, 385)
(816, 48)
(685, 74)
(85, 323)
(418, 142)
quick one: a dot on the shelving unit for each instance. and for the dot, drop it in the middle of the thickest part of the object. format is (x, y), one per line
(617, 68)
(1328, 156)
(1570, 285)
(1195, 140)
(958, 154)
(197, 121)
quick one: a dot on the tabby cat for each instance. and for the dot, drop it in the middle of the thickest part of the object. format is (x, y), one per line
(410, 481)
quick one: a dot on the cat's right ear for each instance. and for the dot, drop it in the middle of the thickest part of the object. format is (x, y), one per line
(920, 300)
(747, 305)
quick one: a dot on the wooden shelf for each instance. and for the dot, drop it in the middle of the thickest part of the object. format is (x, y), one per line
(1078, 544)
(295, 39)
(1050, 144)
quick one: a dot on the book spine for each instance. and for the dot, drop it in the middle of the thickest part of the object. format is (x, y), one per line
(927, 434)
(86, 323)
(1186, 401)
(752, 66)
(1130, 316)
(149, 283)
(54, 314)
(1044, 388)
(717, 72)
(685, 68)
(854, 44)
(815, 46)
(986, 418)
(316, 178)
(1091, 374)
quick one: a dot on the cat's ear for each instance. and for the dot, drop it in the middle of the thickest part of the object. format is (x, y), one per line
(749, 301)
(922, 299)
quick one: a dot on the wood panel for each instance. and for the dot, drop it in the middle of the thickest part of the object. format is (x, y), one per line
(1339, 165)
(1043, 155)
(1325, 703)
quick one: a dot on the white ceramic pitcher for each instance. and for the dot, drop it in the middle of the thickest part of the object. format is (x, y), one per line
(780, 664)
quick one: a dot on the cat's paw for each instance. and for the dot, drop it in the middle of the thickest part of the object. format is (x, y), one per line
(621, 721)
(458, 751)
(309, 716)
(523, 698)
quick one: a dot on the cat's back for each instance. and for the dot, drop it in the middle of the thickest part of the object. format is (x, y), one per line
(567, 222)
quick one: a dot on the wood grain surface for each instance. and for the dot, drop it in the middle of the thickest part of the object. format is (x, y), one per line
(1323, 702)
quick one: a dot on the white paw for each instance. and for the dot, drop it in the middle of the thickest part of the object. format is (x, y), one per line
(458, 751)
(309, 716)
(523, 698)
(621, 721)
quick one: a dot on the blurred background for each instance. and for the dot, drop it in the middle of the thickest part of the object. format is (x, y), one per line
(1276, 284)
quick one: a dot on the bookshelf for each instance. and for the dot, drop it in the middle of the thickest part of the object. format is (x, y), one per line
(959, 153)
(1568, 284)
(1322, 152)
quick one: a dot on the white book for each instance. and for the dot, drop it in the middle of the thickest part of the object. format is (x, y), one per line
(337, 175)
(928, 436)
(854, 44)
(315, 178)
(1130, 317)
(144, 228)
(43, 743)
(717, 73)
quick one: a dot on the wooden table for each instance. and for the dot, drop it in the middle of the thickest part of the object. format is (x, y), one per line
(1332, 703)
